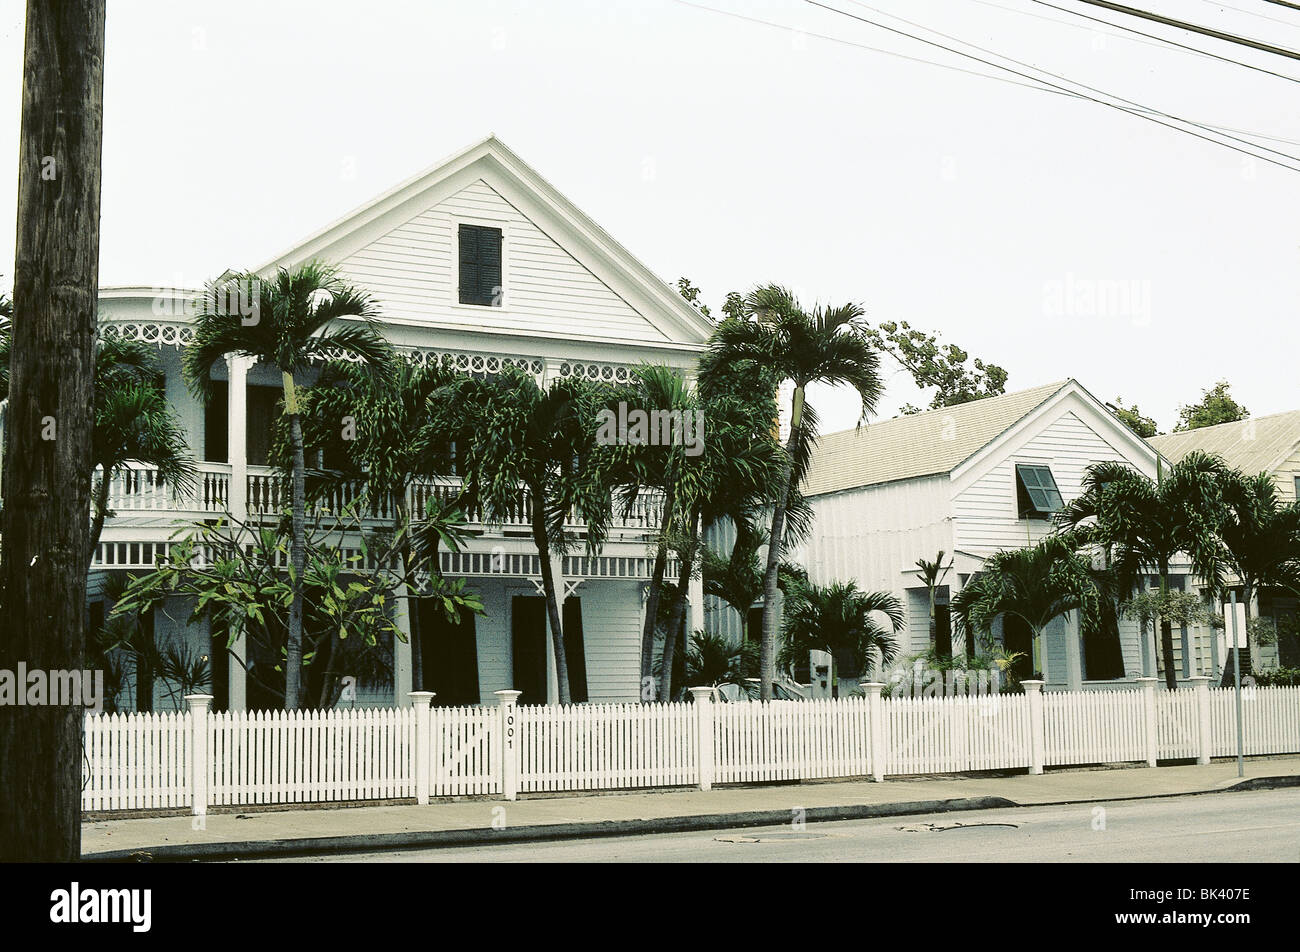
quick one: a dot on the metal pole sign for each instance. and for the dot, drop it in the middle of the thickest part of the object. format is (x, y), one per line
(1238, 629)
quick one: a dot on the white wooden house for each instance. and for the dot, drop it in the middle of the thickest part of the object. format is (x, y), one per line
(971, 480)
(1267, 444)
(571, 302)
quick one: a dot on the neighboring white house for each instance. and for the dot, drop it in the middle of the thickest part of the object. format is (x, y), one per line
(1268, 444)
(971, 480)
(572, 302)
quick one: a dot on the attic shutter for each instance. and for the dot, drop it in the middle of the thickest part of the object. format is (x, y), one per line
(480, 265)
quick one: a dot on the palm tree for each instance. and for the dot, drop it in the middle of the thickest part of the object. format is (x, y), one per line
(713, 660)
(1260, 539)
(293, 319)
(1036, 585)
(401, 428)
(838, 618)
(825, 345)
(932, 575)
(133, 423)
(1143, 524)
(537, 452)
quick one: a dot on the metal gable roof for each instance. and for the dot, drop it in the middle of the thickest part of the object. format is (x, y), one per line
(921, 444)
(1255, 445)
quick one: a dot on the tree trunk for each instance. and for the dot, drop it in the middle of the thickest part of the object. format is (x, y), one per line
(401, 525)
(771, 620)
(1167, 637)
(652, 597)
(50, 420)
(677, 614)
(297, 551)
(542, 541)
(1252, 637)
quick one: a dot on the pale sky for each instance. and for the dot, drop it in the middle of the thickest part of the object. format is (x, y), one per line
(1054, 236)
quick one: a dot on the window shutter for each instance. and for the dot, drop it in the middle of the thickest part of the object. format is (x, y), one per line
(480, 264)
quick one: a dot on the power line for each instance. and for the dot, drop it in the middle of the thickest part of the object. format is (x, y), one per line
(1184, 25)
(1284, 3)
(1161, 39)
(1141, 112)
(1035, 85)
(1250, 13)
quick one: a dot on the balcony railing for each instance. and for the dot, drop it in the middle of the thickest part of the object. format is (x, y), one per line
(137, 488)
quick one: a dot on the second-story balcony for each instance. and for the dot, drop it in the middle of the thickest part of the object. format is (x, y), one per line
(137, 490)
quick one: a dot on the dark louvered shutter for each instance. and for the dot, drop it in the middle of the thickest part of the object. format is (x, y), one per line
(480, 264)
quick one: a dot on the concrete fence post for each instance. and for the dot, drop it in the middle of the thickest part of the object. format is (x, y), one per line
(876, 727)
(199, 752)
(508, 709)
(1201, 685)
(703, 699)
(1149, 717)
(420, 700)
(1037, 725)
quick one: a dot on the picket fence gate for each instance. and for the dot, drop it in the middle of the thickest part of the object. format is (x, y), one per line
(197, 758)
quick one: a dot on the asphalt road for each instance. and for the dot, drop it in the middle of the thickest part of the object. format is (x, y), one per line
(1261, 826)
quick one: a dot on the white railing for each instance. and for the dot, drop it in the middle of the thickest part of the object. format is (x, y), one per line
(195, 758)
(139, 488)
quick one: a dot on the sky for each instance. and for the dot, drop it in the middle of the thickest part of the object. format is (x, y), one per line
(1051, 235)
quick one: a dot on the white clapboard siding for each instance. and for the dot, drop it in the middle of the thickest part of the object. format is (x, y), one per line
(464, 758)
(310, 756)
(790, 740)
(1270, 720)
(607, 746)
(135, 761)
(1093, 727)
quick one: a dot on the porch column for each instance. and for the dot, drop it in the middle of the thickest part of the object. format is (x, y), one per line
(402, 673)
(1073, 652)
(237, 434)
(550, 372)
(237, 502)
(695, 595)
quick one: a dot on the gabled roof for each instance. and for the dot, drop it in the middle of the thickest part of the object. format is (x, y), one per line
(922, 444)
(1256, 445)
(491, 160)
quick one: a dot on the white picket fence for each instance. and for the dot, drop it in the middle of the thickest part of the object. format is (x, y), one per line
(196, 758)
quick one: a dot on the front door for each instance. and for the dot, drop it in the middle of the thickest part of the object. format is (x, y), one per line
(449, 653)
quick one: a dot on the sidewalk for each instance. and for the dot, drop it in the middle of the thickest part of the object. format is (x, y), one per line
(481, 822)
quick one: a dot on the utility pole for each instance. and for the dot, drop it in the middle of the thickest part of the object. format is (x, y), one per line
(46, 528)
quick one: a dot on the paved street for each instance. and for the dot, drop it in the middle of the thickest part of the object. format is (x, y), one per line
(1262, 826)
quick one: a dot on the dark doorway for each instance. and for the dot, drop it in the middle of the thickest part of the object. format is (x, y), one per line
(144, 671)
(575, 650)
(1103, 657)
(528, 637)
(942, 632)
(754, 625)
(1019, 637)
(219, 665)
(449, 653)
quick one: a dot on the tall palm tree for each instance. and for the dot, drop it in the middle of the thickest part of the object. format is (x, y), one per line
(1143, 524)
(839, 618)
(1035, 584)
(293, 319)
(1260, 539)
(822, 345)
(542, 443)
(932, 576)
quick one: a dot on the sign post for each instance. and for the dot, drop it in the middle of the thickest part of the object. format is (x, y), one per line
(1238, 636)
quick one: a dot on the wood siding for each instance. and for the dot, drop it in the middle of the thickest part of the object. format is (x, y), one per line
(412, 272)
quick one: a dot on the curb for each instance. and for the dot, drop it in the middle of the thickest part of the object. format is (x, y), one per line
(483, 836)
(486, 836)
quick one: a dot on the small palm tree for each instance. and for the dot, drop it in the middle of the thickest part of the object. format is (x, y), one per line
(1260, 539)
(1036, 585)
(839, 618)
(293, 319)
(932, 575)
(823, 345)
(713, 660)
(1143, 524)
